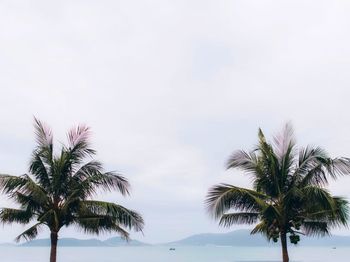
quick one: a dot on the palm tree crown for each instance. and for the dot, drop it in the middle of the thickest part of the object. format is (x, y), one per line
(288, 194)
(57, 191)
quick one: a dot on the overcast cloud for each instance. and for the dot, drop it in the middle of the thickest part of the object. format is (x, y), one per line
(171, 88)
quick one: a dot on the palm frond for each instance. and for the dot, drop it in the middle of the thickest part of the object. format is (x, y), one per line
(113, 181)
(24, 184)
(40, 169)
(79, 144)
(315, 228)
(44, 139)
(317, 198)
(246, 161)
(315, 176)
(222, 198)
(91, 176)
(310, 155)
(230, 219)
(271, 213)
(10, 215)
(316, 167)
(30, 233)
(261, 228)
(339, 167)
(10, 184)
(24, 190)
(126, 217)
(43, 133)
(271, 179)
(284, 142)
(101, 224)
(310, 158)
(341, 211)
(34, 190)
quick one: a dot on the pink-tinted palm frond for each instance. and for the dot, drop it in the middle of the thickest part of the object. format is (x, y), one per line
(79, 134)
(79, 143)
(43, 133)
(284, 141)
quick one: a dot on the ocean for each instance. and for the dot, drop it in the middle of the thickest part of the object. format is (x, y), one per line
(181, 254)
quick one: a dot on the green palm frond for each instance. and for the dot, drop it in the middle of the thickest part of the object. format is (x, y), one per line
(341, 211)
(316, 197)
(29, 202)
(315, 228)
(112, 181)
(230, 219)
(222, 198)
(261, 228)
(317, 176)
(9, 183)
(123, 216)
(88, 169)
(10, 215)
(24, 190)
(93, 177)
(30, 233)
(337, 216)
(44, 139)
(271, 213)
(309, 157)
(100, 224)
(23, 184)
(40, 170)
(316, 167)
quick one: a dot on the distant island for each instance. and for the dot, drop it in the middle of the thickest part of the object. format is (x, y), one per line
(244, 238)
(235, 238)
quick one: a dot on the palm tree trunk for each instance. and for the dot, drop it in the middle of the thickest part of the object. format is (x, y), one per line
(54, 240)
(284, 247)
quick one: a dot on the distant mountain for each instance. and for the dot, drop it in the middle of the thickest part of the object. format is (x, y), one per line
(235, 238)
(74, 242)
(243, 238)
(117, 241)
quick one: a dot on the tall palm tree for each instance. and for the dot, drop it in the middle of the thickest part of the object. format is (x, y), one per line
(58, 189)
(288, 197)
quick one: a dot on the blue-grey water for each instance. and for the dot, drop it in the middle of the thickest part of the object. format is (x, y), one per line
(181, 254)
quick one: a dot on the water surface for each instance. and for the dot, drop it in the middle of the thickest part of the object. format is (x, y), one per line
(181, 254)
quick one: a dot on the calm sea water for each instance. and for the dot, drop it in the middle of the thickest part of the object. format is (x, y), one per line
(181, 254)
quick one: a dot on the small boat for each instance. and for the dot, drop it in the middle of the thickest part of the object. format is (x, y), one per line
(172, 249)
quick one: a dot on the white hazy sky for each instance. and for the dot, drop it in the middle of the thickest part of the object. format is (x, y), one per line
(171, 88)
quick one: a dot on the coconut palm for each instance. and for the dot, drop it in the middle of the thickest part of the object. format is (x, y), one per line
(288, 197)
(58, 189)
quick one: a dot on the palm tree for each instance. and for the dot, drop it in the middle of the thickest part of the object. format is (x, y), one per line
(58, 189)
(288, 197)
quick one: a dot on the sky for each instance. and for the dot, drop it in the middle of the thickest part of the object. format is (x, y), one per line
(170, 89)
